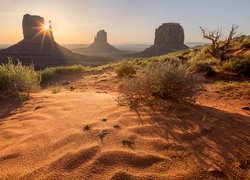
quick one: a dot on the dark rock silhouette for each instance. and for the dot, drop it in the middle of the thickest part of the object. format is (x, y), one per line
(33, 29)
(100, 47)
(169, 37)
(101, 37)
(40, 49)
(169, 33)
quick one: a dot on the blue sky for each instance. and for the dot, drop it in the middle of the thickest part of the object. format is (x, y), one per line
(126, 21)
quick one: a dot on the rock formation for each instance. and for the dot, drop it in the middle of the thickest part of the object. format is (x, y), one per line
(33, 29)
(169, 37)
(169, 33)
(100, 47)
(101, 37)
(39, 47)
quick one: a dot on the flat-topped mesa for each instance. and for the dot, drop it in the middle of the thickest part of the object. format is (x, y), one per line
(100, 47)
(169, 33)
(39, 48)
(101, 36)
(34, 29)
(169, 37)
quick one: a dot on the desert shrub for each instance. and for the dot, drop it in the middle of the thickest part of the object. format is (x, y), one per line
(50, 72)
(202, 68)
(47, 74)
(70, 69)
(125, 69)
(246, 43)
(142, 62)
(16, 79)
(212, 61)
(200, 54)
(240, 66)
(55, 89)
(164, 80)
(229, 66)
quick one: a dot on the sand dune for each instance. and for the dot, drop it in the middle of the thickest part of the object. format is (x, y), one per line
(45, 138)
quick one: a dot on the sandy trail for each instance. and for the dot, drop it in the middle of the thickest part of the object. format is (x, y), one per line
(44, 138)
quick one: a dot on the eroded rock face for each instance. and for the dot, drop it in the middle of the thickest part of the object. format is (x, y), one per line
(169, 37)
(100, 47)
(169, 33)
(101, 36)
(33, 29)
(39, 48)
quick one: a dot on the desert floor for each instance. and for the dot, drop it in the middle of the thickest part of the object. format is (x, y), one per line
(80, 131)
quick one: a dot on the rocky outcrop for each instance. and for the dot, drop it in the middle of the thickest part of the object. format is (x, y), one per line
(100, 47)
(169, 33)
(101, 36)
(33, 29)
(40, 49)
(169, 37)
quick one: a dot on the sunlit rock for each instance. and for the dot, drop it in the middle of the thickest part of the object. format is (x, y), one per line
(169, 37)
(35, 29)
(41, 50)
(101, 36)
(100, 47)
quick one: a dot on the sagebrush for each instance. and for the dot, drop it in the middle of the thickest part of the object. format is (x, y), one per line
(17, 78)
(240, 66)
(125, 69)
(166, 80)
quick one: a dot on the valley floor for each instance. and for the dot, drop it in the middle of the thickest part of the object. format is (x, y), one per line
(80, 132)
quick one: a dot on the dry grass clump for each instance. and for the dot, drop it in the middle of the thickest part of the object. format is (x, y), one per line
(203, 68)
(55, 89)
(166, 80)
(125, 69)
(240, 66)
(50, 72)
(16, 79)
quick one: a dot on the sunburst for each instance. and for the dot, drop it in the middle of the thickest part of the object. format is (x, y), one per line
(46, 27)
(44, 30)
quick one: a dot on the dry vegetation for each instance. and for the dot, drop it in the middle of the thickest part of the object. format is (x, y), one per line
(16, 79)
(66, 133)
(169, 80)
(125, 69)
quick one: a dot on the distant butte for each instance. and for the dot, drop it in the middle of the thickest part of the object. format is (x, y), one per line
(100, 47)
(33, 29)
(169, 37)
(39, 48)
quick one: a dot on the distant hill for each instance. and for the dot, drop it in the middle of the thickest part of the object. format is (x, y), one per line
(100, 47)
(200, 53)
(169, 37)
(40, 49)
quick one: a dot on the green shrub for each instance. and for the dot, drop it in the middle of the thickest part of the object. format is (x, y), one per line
(51, 72)
(47, 74)
(16, 79)
(246, 43)
(165, 80)
(240, 66)
(200, 54)
(202, 68)
(125, 69)
(70, 69)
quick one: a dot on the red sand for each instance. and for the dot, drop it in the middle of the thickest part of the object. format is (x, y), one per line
(44, 138)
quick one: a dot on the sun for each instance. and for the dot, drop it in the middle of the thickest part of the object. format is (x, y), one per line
(46, 27)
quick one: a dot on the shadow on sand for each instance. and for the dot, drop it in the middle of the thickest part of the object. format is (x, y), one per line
(213, 137)
(7, 106)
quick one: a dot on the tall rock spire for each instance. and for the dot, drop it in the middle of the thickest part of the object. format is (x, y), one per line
(33, 29)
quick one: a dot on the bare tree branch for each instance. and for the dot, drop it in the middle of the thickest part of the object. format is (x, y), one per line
(220, 46)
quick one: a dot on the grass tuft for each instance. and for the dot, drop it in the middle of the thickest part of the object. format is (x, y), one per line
(166, 80)
(125, 69)
(18, 80)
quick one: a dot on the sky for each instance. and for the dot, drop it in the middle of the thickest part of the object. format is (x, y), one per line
(126, 21)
